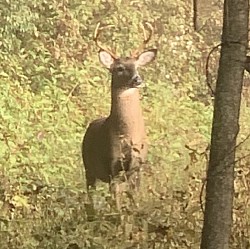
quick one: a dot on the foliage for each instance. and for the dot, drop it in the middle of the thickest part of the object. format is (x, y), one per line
(51, 85)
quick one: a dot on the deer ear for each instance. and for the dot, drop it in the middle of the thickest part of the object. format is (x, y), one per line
(146, 57)
(106, 59)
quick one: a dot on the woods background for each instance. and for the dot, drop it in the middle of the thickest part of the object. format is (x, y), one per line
(52, 86)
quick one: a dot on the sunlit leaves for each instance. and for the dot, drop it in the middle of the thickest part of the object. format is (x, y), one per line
(52, 85)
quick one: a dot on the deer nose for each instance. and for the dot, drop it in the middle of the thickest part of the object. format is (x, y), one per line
(136, 80)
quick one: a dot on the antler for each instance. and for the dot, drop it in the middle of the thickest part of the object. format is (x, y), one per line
(96, 36)
(146, 39)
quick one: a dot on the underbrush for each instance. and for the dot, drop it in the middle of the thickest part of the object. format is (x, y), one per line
(44, 203)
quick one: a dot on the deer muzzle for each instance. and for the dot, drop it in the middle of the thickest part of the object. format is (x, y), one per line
(136, 80)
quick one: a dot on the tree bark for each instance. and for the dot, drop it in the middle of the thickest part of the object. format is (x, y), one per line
(220, 176)
(195, 15)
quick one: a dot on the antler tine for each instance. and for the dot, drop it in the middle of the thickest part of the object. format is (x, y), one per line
(96, 36)
(146, 39)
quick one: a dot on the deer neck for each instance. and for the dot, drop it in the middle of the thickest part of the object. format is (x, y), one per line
(126, 113)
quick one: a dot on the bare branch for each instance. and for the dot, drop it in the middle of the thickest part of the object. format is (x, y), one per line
(207, 68)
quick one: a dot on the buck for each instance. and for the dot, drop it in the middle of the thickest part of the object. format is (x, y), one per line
(118, 142)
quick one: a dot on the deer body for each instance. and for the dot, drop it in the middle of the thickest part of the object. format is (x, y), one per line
(118, 142)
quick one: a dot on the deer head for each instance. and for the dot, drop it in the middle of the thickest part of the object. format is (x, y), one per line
(124, 70)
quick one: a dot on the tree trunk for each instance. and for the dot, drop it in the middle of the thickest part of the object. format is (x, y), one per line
(195, 15)
(220, 175)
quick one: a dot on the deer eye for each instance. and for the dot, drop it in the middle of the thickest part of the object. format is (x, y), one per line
(120, 69)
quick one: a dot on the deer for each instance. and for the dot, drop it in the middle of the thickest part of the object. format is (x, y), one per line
(118, 143)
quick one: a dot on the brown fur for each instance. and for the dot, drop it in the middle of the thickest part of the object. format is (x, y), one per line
(118, 142)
